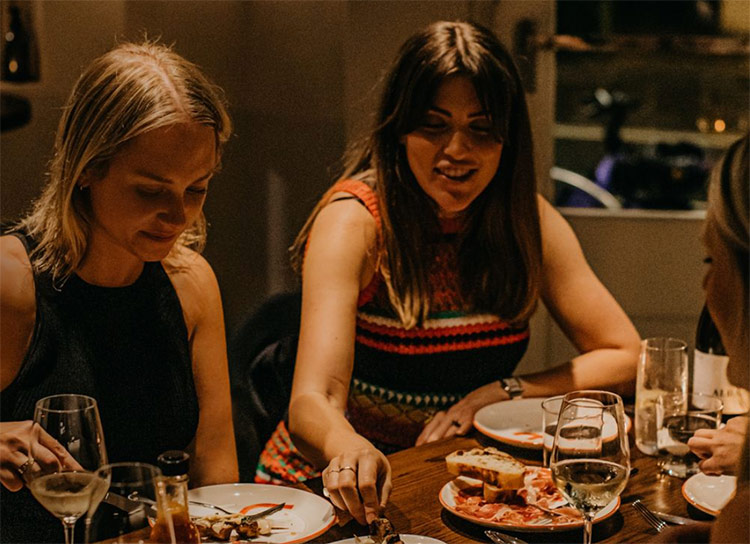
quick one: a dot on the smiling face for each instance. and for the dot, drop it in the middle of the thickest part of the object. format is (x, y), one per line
(154, 188)
(453, 153)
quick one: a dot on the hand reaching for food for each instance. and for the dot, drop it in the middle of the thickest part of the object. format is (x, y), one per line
(359, 482)
(25, 450)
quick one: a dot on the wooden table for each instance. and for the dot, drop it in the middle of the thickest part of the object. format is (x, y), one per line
(419, 474)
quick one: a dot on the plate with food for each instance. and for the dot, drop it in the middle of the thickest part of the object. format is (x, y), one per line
(495, 490)
(303, 517)
(709, 493)
(382, 532)
(519, 423)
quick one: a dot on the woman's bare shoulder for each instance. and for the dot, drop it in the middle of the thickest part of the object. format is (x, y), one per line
(16, 277)
(195, 283)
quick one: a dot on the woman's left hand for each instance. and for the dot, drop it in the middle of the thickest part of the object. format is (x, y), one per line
(458, 419)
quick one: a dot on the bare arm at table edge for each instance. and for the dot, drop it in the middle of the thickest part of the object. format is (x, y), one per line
(588, 315)
(213, 448)
(340, 261)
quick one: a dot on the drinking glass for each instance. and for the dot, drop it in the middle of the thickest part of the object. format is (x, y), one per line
(550, 412)
(662, 369)
(134, 493)
(678, 416)
(68, 488)
(590, 459)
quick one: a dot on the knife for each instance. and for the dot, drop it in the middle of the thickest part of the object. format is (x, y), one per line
(676, 520)
(267, 512)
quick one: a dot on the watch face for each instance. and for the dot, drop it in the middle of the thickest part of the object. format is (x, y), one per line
(513, 387)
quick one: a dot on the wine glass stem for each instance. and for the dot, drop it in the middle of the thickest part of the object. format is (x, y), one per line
(587, 528)
(69, 527)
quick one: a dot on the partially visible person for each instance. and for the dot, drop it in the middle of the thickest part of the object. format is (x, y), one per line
(102, 289)
(420, 270)
(719, 449)
(726, 237)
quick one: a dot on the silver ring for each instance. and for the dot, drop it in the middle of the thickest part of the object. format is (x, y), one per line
(354, 470)
(456, 423)
(25, 466)
(326, 494)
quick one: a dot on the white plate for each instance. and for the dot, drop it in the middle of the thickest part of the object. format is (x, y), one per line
(709, 493)
(519, 422)
(451, 489)
(307, 515)
(408, 539)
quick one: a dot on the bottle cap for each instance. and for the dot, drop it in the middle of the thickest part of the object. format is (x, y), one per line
(174, 462)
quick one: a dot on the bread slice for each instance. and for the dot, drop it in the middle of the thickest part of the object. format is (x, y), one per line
(492, 466)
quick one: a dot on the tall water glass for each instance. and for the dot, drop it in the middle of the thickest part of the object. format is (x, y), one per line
(68, 487)
(590, 459)
(135, 493)
(550, 412)
(662, 369)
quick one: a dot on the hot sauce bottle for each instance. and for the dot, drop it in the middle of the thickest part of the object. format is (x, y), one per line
(174, 466)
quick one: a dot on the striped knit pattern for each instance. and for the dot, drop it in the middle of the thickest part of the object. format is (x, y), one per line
(402, 377)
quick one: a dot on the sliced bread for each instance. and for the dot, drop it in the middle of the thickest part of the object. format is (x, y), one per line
(490, 465)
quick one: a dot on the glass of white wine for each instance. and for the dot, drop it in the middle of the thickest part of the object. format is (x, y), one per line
(68, 489)
(590, 458)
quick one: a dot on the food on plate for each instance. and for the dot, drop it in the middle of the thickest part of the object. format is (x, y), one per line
(381, 532)
(221, 527)
(501, 474)
(511, 492)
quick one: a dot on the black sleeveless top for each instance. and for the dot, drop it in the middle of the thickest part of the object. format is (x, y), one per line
(125, 346)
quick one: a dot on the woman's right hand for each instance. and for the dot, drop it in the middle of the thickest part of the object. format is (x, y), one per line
(720, 449)
(359, 481)
(27, 450)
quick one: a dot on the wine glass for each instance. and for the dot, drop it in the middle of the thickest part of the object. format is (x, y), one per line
(136, 492)
(590, 459)
(68, 488)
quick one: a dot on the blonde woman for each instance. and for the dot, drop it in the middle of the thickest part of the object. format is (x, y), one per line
(103, 291)
(420, 271)
(726, 238)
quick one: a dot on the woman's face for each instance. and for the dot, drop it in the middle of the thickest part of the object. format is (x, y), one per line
(453, 153)
(724, 287)
(152, 191)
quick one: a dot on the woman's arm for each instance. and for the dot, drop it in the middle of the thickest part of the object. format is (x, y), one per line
(339, 262)
(213, 449)
(17, 307)
(588, 315)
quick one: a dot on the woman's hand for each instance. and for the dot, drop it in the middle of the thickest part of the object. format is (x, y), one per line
(27, 450)
(458, 419)
(359, 481)
(720, 448)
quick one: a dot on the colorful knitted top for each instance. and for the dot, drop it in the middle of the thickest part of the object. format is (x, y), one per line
(401, 377)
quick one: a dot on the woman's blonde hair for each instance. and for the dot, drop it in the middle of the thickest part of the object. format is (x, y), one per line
(132, 89)
(500, 251)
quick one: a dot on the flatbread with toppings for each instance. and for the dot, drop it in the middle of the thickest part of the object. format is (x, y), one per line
(221, 527)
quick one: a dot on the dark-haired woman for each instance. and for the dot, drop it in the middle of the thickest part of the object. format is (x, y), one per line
(420, 270)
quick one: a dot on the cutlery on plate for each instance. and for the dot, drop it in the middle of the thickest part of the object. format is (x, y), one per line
(674, 519)
(502, 538)
(649, 516)
(134, 496)
(264, 513)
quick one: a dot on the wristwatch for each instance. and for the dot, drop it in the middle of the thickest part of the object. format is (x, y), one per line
(513, 387)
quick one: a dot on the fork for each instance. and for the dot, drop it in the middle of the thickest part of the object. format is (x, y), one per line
(502, 538)
(649, 516)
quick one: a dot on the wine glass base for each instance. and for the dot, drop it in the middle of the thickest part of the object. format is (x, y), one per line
(678, 468)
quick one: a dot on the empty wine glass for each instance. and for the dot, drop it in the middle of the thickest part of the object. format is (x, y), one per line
(590, 459)
(67, 488)
(135, 493)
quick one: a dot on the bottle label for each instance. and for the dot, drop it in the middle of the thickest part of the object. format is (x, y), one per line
(710, 378)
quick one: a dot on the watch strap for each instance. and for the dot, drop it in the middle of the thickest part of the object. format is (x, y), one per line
(513, 387)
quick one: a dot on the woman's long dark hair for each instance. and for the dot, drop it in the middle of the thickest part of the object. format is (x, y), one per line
(500, 252)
